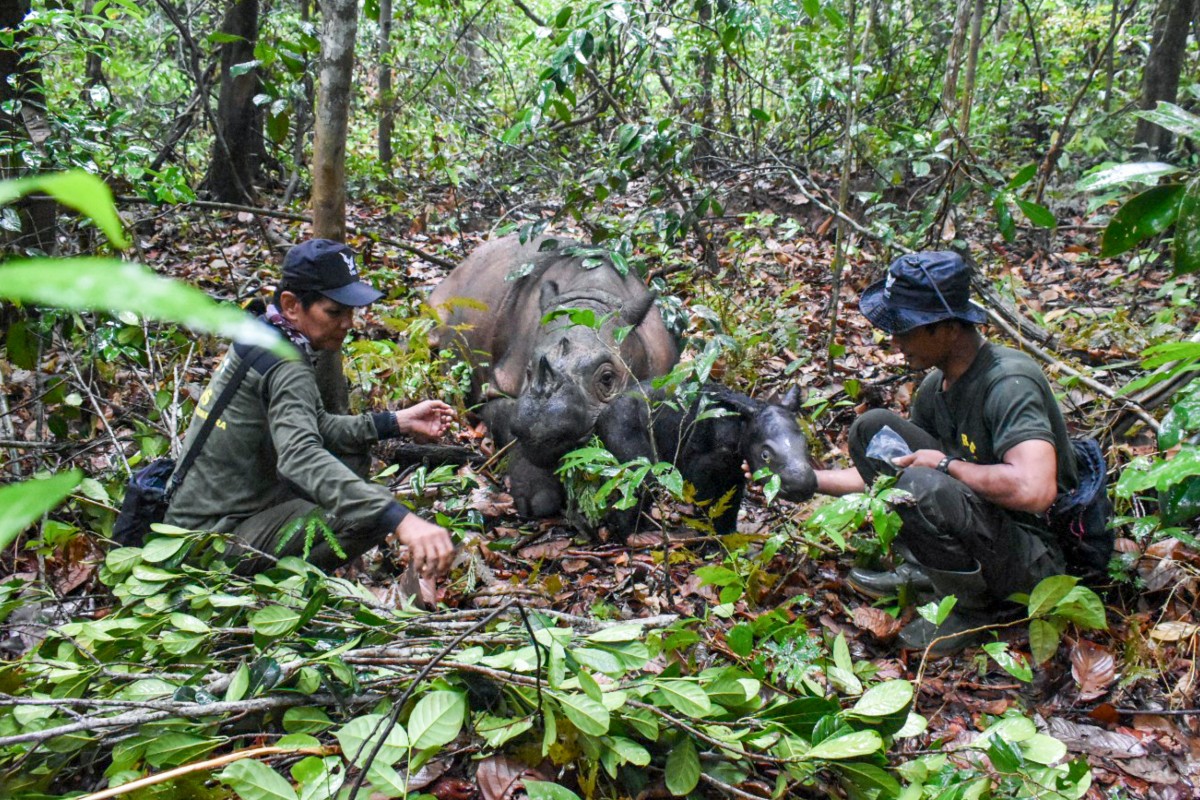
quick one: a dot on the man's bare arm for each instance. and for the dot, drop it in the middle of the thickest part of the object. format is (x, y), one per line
(1026, 480)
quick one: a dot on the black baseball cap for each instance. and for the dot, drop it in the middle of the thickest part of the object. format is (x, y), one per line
(921, 289)
(327, 267)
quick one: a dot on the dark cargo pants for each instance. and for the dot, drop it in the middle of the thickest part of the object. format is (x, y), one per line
(950, 527)
(266, 530)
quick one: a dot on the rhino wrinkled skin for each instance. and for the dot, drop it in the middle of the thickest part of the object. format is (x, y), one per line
(539, 385)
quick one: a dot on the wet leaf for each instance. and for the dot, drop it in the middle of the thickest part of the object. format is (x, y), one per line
(880, 623)
(1093, 667)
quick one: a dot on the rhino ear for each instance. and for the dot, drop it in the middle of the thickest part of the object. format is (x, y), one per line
(744, 405)
(793, 399)
(549, 293)
(636, 311)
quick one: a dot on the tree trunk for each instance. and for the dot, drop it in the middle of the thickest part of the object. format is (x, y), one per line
(21, 82)
(338, 30)
(958, 40)
(1160, 80)
(964, 117)
(238, 146)
(387, 111)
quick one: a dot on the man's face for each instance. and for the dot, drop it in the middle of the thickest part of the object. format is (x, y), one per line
(922, 347)
(325, 322)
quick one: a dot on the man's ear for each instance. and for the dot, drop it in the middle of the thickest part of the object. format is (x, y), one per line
(289, 305)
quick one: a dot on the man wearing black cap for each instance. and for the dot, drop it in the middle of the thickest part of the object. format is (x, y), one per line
(988, 452)
(275, 460)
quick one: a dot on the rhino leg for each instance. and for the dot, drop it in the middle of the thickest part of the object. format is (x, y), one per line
(536, 491)
(624, 428)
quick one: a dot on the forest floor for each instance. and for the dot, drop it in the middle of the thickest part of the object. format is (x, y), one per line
(1124, 697)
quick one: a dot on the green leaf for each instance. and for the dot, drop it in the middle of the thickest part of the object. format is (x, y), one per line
(239, 684)
(359, 736)
(544, 790)
(1037, 214)
(1145, 215)
(1023, 176)
(1173, 118)
(1147, 172)
(1187, 231)
(254, 780)
(173, 749)
(585, 713)
(162, 548)
(498, 730)
(740, 639)
(1083, 607)
(1012, 663)
(24, 503)
(101, 284)
(1048, 592)
(306, 719)
(275, 621)
(1043, 640)
(1004, 220)
(686, 696)
(76, 189)
(630, 751)
(885, 699)
(852, 745)
(870, 780)
(1043, 749)
(437, 719)
(683, 768)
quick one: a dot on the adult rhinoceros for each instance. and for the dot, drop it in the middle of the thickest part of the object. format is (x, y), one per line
(539, 383)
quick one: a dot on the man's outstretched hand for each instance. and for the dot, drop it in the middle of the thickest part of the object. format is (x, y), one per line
(426, 421)
(430, 549)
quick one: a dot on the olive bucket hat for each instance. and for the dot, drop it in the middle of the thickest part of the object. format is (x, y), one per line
(921, 289)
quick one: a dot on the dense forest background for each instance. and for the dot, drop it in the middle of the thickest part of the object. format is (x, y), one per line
(759, 163)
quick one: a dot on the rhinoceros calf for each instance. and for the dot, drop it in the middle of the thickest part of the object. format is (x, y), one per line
(543, 384)
(709, 449)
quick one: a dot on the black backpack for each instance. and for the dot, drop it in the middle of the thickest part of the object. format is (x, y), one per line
(1080, 518)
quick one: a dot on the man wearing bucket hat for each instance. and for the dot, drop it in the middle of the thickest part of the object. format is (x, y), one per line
(276, 470)
(984, 454)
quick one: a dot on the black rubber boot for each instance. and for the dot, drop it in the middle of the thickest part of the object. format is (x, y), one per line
(974, 609)
(883, 584)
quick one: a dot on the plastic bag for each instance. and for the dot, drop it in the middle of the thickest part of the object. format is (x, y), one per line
(886, 446)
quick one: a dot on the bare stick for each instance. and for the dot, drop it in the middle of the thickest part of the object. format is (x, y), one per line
(204, 766)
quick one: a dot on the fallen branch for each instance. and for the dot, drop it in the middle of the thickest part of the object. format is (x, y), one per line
(1132, 406)
(204, 766)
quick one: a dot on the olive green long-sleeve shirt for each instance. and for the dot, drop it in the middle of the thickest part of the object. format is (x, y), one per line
(275, 442)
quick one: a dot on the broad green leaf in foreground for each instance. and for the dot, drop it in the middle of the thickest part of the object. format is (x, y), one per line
(1173, 118)
(23, 504)
(437, 719)
(76, 189)
(585, 713)
(852, 745)
(1145, 215)
(544, 790)
(1187, 231)
(887, 698)
(254, 780)
(683, 768)
(359, 736)
(101, 284)
(1143, 172)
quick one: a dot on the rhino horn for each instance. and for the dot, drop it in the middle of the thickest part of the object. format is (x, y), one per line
(543, 377)
(636, 311)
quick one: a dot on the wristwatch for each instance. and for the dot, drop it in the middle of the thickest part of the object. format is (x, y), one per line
(944, 465)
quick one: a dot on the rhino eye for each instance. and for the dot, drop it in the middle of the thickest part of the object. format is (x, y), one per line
(606, 382)
(766, 455)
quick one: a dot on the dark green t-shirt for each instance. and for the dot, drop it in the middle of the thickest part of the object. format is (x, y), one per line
(1002, 399)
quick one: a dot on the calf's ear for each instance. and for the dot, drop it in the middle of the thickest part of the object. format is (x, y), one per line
(636, 311)
(549, 292)
(793, 399)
